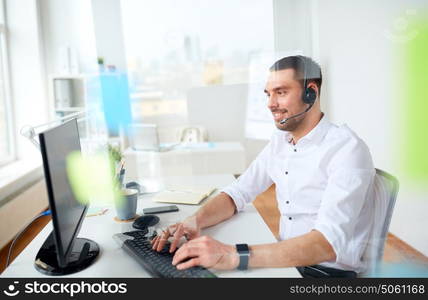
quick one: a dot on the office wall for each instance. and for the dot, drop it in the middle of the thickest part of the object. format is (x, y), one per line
(91, 28)
(108, 32)
(358, 70)
(293, 25)
(68, 24)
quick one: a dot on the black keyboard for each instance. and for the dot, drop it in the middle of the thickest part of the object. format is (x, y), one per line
(158, 264)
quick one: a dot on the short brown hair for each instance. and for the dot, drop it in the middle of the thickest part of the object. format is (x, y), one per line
(303, 66)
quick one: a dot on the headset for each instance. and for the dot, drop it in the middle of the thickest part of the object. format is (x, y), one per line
(309, 95)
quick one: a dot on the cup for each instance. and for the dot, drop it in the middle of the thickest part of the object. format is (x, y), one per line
(127, 208)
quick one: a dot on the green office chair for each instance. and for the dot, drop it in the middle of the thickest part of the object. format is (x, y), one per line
(385, 190)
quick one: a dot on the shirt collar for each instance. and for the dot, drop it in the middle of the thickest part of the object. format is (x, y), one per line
(315, 135)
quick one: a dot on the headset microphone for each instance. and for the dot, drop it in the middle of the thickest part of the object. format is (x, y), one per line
(283, 121)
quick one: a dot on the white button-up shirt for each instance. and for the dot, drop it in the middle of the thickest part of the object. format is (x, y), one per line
(323, 183)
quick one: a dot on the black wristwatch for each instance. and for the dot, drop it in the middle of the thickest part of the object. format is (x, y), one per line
(244, 256)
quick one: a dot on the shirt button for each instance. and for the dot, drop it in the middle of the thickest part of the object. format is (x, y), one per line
(295, 150)
(287, 202)
(286, 172)
(289, 218)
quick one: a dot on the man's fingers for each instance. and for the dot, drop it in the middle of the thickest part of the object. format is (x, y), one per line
(162, 240)
(176, 239)
(173, 228)
(155, 242)
(188, 264)
(154, 239)
(185, 252)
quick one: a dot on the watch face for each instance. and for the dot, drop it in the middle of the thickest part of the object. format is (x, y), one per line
(244, 256)
(242, 248)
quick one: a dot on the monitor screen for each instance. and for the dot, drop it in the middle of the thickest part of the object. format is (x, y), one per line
(67, 213)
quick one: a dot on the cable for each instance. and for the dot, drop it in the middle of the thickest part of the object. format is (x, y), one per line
(45, 213)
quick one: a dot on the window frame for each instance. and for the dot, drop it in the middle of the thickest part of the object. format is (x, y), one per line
(9, 112)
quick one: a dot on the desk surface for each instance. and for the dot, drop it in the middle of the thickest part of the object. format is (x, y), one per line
(114, 262)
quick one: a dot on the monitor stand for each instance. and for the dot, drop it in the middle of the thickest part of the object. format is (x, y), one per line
(82, 256)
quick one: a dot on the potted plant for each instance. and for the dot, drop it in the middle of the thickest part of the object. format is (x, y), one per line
(116, 159)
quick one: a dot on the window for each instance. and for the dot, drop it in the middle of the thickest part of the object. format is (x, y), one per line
(7, 149)
(173, 46)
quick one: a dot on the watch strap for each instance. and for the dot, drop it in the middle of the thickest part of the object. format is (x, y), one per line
(244, 256)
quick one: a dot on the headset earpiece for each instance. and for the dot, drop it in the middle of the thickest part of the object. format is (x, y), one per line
(309, 96)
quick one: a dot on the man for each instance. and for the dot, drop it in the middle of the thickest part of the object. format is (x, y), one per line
(323, 175)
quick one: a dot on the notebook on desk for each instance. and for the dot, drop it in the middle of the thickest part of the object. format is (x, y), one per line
(184, 195)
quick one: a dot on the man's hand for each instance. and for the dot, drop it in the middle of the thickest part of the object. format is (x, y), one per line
(207, 252)
(188, 229)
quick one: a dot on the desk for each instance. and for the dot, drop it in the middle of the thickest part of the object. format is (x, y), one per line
(246, 227)
(200, 159)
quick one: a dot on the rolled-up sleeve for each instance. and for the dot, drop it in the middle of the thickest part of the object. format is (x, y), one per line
(252, 182)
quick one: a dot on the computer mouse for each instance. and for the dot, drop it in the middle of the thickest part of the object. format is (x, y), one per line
(145, 221)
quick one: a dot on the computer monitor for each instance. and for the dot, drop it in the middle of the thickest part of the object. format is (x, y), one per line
(63, 253)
